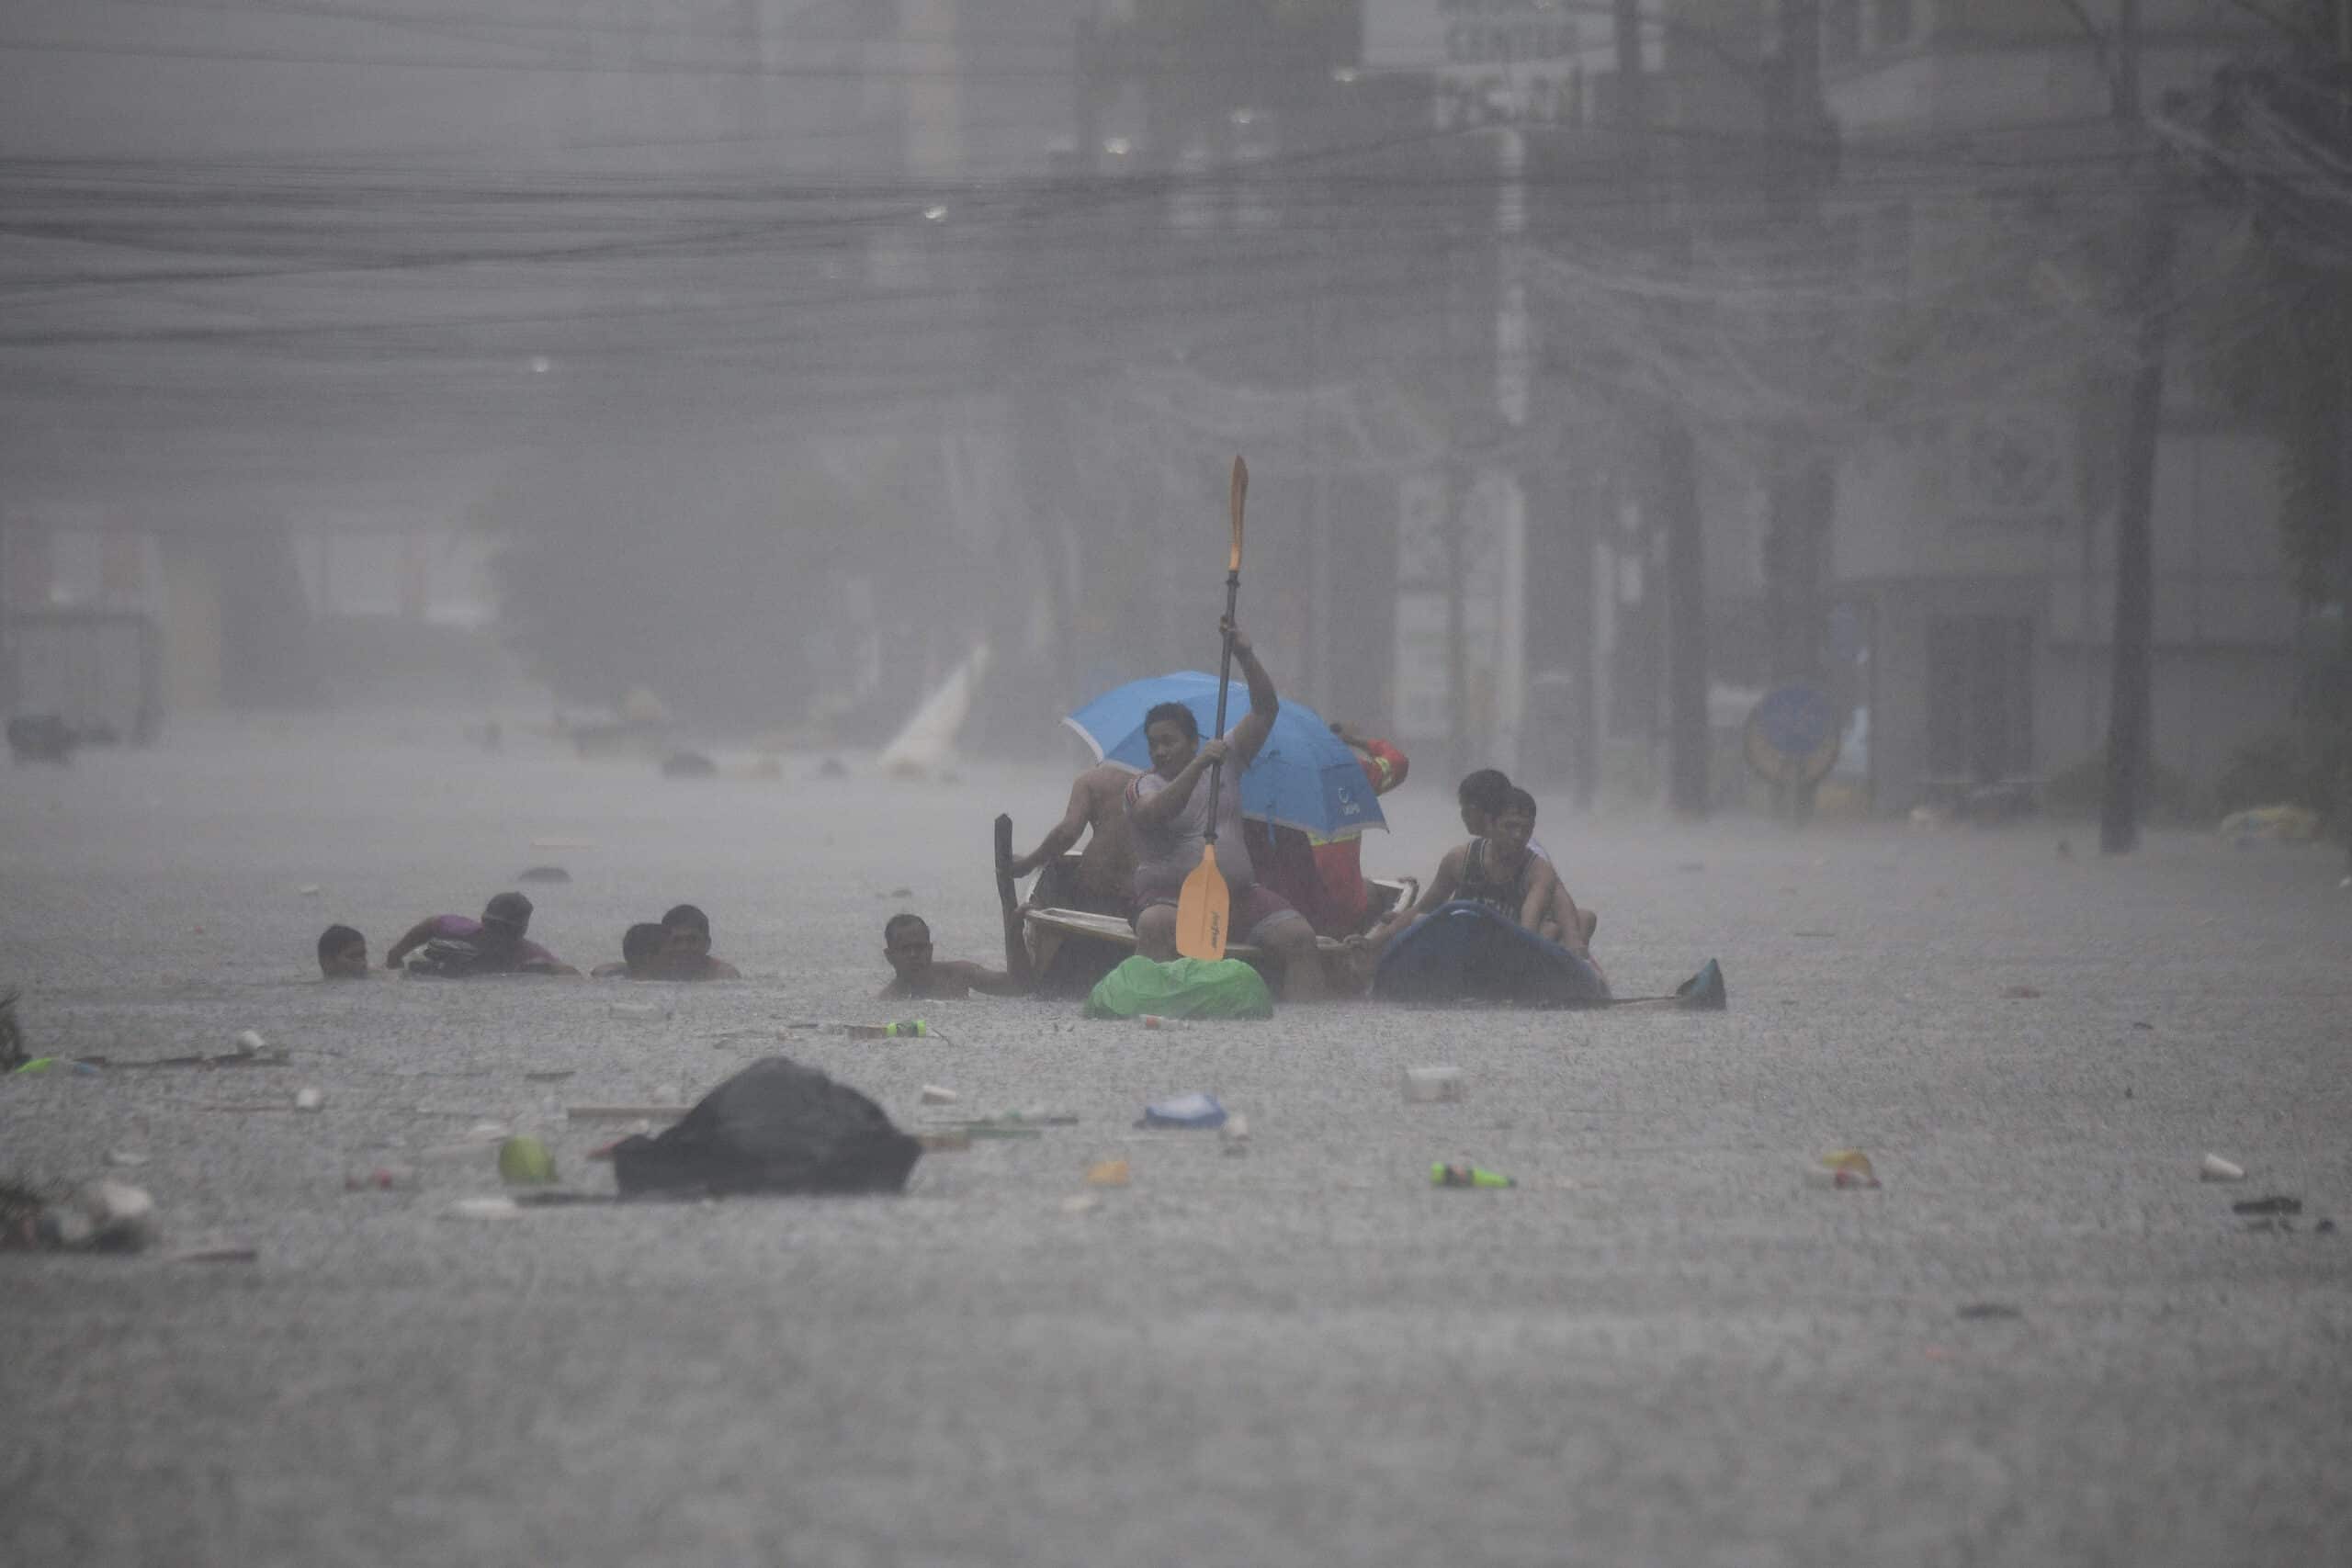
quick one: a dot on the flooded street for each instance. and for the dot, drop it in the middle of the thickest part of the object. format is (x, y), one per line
(1663, 1346)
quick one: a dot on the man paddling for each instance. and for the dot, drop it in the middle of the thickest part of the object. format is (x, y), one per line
(1167, 810)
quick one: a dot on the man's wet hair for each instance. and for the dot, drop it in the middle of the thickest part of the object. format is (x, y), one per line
(1176, 714)
(334, 939)
(687, 915)
(897, 923)
(1519, 798)
(507, 908)
(643, 941)
(1485, 790)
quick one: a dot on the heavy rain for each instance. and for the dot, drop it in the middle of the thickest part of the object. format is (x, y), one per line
(1175, 781)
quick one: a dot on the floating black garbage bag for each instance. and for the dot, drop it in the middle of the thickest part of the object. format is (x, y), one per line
(776, 1126)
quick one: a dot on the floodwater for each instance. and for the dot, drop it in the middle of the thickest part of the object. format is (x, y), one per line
(1663, 1346)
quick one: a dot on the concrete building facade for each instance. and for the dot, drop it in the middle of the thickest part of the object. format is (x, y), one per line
(1974, 549)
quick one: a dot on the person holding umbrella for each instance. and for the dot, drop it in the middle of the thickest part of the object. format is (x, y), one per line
(1168, 813)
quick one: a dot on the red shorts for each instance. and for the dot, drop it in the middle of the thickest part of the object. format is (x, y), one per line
(1254, 913)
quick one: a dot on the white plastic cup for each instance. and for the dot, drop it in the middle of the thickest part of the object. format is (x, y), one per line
(1431, 1086)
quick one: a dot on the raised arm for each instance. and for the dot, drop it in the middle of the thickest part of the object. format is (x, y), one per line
(1061, 835)
(1245, 738)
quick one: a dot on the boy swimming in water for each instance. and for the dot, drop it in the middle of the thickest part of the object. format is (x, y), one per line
(342, 953)
(642, 946)
(688, 955)
(916, 976)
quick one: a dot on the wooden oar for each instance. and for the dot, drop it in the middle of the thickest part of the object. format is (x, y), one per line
(1202, 907)
(1016, 951)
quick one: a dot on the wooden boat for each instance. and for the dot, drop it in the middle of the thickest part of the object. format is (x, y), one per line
(1070, 950)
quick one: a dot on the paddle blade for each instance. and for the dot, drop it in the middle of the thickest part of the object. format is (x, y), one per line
(1202, 909)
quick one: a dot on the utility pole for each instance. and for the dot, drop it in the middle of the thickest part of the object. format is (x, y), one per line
(2130, 695)
(1801, 489)
(1514, 380)
(2342, 692)
(1669, 456)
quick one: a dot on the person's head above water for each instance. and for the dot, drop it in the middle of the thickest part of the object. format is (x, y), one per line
(642, 946)
(1512, 825)
(689, 931)
(342, 953)
(1173, 735)
(906, 943)
(1481, 795)
(506, 917)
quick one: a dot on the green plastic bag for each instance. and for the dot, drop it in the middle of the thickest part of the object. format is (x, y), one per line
(1185, 987)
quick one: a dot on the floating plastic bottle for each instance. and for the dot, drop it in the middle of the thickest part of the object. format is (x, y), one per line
(1190, 1110)
(524, 1161)
(41, 1065)
(906, 1028)
(1445, 1175)
(1153, 1021)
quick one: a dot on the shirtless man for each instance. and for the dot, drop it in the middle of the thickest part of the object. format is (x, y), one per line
(915, 975)
(1168, 810)
(1105, 879)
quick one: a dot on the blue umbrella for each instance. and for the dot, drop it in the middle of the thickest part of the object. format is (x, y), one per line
(1303, 777)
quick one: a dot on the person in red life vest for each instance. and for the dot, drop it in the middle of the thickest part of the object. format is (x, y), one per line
(1323, 878)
